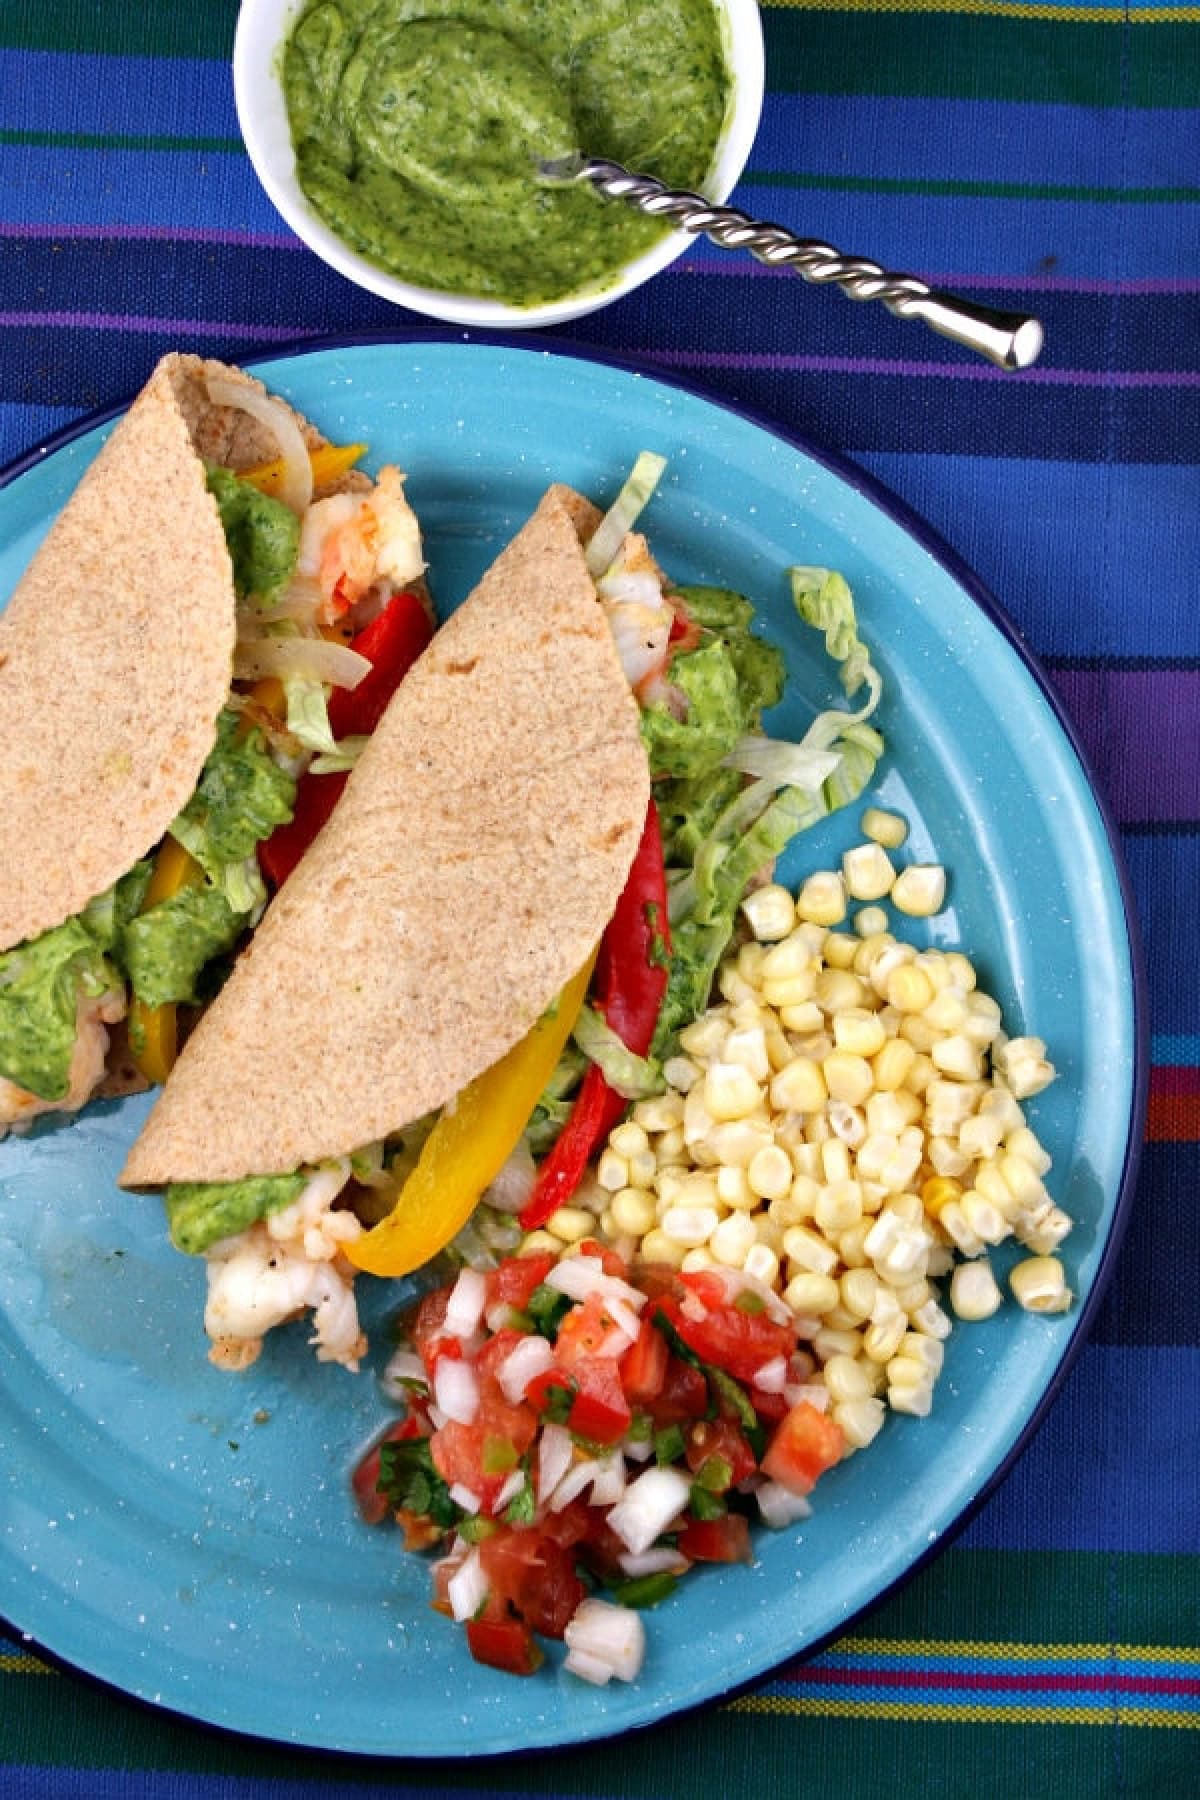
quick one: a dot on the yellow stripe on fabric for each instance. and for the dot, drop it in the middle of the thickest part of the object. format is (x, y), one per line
(999, 9)
(22, 1663)
(969, 1713)
(1020, 1652)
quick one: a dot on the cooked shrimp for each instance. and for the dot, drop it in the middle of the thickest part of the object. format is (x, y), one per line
(18, 1107)
(640, 619)
(358, 545)
(283, 1266)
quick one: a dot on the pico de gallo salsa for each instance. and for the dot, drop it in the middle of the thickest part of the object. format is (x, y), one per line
(578, 1434)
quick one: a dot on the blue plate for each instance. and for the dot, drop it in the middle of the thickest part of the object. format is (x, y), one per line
(189, 1536)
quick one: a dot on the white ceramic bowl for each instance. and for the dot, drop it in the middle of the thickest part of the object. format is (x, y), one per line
(262, 27)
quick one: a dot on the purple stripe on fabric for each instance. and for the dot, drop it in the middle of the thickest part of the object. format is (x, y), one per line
(878, 365)
(253, 240)
(81, 321)
(708, 263)
(1141, 730)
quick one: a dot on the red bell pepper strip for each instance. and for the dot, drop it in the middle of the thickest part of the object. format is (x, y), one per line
(392, 642)
(628, 987)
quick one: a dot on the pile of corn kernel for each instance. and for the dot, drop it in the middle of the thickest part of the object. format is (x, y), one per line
(844, 1126)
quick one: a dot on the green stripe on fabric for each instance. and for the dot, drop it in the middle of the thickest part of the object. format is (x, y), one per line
(976, 190)
(986, 58)
(202, 28)
(83, 140)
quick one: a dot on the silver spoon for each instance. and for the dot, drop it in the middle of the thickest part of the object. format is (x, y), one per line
(1010, 340)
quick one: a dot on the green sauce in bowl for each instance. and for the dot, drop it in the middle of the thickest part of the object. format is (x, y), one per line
(417, 126)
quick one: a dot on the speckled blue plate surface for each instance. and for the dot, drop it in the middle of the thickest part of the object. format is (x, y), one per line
(189, 1536)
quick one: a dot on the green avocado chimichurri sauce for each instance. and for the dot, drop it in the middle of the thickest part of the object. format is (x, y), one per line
(417, 125)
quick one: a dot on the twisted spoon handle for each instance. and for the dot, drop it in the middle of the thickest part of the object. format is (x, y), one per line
(1010, 340)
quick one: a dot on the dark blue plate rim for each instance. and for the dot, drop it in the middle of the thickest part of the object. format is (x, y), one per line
(930, 540)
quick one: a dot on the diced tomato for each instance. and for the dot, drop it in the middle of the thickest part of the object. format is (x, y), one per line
(429, 1320)
(738, 1342)
(769, 1407)
(496, 1352)
(506, 1644)
(657, 1280)
(644, 1366)
(610, 1260)
(514, 1281)
(545, 1391)
(588, 1331)
(365, 1480)
(682, 1396)
(535, 1575)
(722, 1438)
(471, 1454)
(723, 1540)
(600, 1410)
(804, 1444)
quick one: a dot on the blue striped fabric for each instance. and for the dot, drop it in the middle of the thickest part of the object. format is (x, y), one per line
(1037, 156)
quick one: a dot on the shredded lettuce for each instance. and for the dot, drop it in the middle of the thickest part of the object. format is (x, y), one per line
(633, 1077)
(788, 764)
(823, 599)
(624, 512)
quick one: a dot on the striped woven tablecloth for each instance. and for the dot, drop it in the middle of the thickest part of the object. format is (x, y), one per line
(1047, 156)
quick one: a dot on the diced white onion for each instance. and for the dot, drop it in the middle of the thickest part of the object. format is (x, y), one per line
(588, 1668)
(468, 1589)
(464, 1309)
(580, 1276)
(573, 1483)
(639, 1450)
(532, 1356)
(651, 1502)
(296, 482)
(653, 1562)
(509, 1490)
(611, 1634)
(738, 1281)
(555, 1455)
(305, 658)
(772, 1377)
(609, 1485)
(512, 1187)
(779, 1506)
(456, 1389)
(402, 1366)
(815, 1392)
(465, 1497)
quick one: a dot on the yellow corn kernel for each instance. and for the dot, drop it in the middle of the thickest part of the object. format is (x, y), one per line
(850, 1245)
(837, 989)
(921, 1072)
(974, 1294)
(847, 1379)
(809, 1253)
(838, 1207)
(920, 890)
(892, 1062)
(763, 1263)
(633, 1211)
(658, 1247)
(770, 912)
(769, 1174)
(733, 1239)
(535, 1241)
(822, 899)
(737, 1141)
(827, 1342)
(839, 950)
(847, 1077)
(705, 1035)
(859, 1031)
(800, 1087)
(859, 1287)
(937, 1192)
(860, 1421)
(909, 988)
(886, 828)
(1040, 1285)
(868, 872)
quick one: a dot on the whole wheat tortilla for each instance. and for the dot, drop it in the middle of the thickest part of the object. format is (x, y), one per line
(116, 650)
(467, 872)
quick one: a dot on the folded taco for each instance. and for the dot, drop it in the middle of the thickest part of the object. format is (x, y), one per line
(474, 964)
(184, 645)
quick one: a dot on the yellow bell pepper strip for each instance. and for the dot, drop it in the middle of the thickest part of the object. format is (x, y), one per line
(330, 461)
(153, 1036)
(469, 1145)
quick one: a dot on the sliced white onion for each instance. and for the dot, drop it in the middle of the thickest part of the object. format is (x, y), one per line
(465, 1497)
(307, 659)
(300, 600)
(464, 1309)
(555, 1455)
(638, 1451)
(772, 1377)
(456, 1389)
(532, 1356)
(650, 1503)
(653, 1562)
(574, 1482)
(509, 1490)
(577, 1281)
(402, 1366)
(622, 1314)
(613, 1635)
(296, 482)
(514, 1183)
(779, 1506)
(468, 1589)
